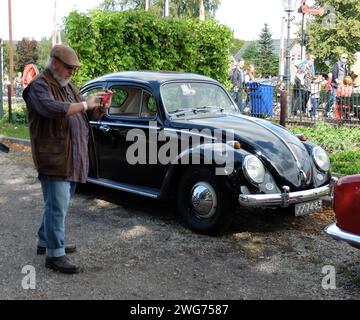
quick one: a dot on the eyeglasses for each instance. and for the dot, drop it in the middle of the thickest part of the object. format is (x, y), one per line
(344, 58)
(67, 66)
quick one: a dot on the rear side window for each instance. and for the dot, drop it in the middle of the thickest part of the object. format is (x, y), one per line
(132, 102)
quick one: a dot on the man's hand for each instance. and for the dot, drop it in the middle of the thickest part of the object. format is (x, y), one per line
(93, 102)
(105, 102)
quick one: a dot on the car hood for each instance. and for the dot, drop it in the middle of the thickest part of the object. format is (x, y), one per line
(285, 155)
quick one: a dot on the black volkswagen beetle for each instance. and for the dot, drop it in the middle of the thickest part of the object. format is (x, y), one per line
(181, 135)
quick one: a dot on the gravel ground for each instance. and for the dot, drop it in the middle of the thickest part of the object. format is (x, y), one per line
(135, 248)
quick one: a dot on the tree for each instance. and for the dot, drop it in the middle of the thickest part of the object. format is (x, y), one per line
(27, 53)
(250, 54)
(267, 61)
(236, 45)
(178, 8)
(337, 32)
(43, 51)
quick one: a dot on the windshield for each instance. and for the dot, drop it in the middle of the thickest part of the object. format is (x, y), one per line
(194, 97)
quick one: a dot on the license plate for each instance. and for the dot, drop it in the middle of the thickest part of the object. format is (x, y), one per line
(303, 209)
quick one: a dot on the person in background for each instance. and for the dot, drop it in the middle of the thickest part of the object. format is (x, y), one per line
(18, 85)
(306, 71)
(249, 75)
(355, 72)
(329, 99)
(343, 99)
(340, 71)
(238, 82)
(315, 95)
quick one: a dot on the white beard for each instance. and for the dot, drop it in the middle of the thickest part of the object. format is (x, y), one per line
(63, 82)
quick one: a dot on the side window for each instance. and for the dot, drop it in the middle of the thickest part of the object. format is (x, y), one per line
(126, 101)
(148, 107)
(92, 92)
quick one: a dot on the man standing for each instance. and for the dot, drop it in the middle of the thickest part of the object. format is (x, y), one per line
(355, 72)
(339, 71)
(238, 81)
(62, 147)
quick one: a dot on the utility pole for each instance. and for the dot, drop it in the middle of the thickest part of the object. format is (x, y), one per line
(282, 52)
(147, 5)
(166, 8)
(202, 11)
(1, 79)
(55, 30)
(11, 71)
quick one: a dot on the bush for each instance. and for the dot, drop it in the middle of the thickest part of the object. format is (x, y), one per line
(109, 41)
(19, 114)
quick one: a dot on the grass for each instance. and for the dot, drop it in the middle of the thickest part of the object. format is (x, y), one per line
(14, 130)
(342, 144)
(18, 128)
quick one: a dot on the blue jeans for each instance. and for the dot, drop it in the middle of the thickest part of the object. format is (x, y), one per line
(315, 102)
(51, 234)
(331, 100)
(238, 99)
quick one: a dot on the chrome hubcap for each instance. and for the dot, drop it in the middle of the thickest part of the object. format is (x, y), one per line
(203, 200)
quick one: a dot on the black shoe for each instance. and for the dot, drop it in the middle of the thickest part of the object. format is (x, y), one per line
(61, 264)
(71, 248)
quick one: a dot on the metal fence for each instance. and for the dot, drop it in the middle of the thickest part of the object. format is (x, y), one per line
(266, 100)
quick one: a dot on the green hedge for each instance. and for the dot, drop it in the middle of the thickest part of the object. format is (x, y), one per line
(109, 41)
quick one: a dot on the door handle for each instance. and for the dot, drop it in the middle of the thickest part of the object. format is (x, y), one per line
(105, 128)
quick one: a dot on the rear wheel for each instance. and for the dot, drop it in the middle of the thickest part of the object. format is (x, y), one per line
(204, 201)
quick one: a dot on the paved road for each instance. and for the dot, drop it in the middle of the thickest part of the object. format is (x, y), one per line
(135, 248)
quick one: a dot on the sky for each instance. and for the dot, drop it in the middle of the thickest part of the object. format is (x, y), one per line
(34, 18)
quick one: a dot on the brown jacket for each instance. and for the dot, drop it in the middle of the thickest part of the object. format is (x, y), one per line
(51, 138)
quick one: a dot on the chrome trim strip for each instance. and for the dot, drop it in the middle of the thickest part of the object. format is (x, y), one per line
(189, 132)
(124, 125)
(283, 199)
(335, 232)
(147, 192)
(275, 134)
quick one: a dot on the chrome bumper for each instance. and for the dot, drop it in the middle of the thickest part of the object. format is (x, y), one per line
(335, 232)
(285, 198)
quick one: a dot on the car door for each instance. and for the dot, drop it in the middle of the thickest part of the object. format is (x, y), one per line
(131, 123)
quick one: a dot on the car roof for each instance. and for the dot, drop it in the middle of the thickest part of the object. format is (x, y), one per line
(150, 77)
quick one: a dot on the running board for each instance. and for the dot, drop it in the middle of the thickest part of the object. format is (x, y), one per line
(143, 191)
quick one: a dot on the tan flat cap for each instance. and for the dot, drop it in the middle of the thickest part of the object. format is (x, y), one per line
(66, 55)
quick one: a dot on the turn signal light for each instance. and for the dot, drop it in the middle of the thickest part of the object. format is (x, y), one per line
(301, 137)
(235, 144)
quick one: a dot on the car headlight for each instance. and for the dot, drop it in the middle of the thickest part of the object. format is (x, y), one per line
(321, 159)
(254, 169)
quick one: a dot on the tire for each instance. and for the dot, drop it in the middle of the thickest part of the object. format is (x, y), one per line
(221, 213)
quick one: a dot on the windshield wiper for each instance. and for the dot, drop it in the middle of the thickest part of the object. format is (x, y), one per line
(209, 108)
(181, 112)
(184, 112)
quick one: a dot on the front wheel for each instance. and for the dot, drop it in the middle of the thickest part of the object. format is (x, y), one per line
(204, 201)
